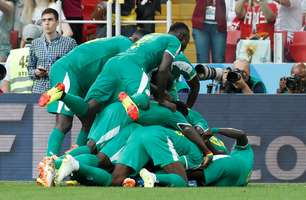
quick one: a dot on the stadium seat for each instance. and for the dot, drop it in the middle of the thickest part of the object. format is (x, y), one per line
(298, 47)
(14, 39)
(231, 43)
(89, 30)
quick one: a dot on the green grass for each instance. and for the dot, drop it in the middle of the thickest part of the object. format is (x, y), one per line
(29, 191)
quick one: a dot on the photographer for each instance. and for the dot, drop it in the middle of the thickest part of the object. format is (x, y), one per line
(238, 80)
(232, 80)
(296, 83)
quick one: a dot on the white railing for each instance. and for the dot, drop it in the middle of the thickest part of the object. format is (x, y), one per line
(118, 20)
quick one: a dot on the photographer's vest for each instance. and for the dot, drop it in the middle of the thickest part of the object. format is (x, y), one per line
(20, 82)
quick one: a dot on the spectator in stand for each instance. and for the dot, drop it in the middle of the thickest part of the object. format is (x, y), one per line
(257, 17)
(146, 10)
(290, 16)
(209, 30)
(17, 79)
(46, 50)
(73, 11)
(33, 9)
(6, 24)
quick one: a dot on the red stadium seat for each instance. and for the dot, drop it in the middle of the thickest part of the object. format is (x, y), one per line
(14, 39)
(231, 43)
(298, 47)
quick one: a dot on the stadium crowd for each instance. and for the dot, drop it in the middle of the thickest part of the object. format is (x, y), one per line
(124, 89)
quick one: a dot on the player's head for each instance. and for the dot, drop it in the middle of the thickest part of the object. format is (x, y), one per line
(139, 33)
(181, 31)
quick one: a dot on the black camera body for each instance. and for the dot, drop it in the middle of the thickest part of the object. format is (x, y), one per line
(294, 83)
(2, 72)
(235, 75)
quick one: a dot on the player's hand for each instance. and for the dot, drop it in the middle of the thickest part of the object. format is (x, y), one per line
(207, 160)
(168, 104)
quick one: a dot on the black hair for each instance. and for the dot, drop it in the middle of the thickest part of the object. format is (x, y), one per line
(50, 11)
(141, 32)
(178, 26)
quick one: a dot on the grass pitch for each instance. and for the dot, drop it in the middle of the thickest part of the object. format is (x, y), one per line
(30, 191)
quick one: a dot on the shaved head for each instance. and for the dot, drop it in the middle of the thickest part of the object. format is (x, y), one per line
(243, 65)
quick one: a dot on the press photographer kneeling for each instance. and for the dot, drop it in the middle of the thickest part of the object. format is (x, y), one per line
(235, 79)
(296, 83)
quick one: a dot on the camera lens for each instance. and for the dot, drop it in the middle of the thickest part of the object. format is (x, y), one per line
(209, 73)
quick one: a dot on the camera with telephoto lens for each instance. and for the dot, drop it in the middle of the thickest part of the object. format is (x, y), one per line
(294, 83)
(209, 73)
(2, 72)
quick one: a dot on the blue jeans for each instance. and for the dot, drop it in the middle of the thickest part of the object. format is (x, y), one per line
(209, 39)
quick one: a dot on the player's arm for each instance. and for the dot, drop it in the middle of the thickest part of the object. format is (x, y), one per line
(194, 85)
(239, 135)
(163, 75)
(193, 136)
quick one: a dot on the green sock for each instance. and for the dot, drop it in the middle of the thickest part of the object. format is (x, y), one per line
(58, 162)
(76, 104)
(141, 100)
(80, 150)
(88, 159)
(55, 142)
(95, 174)
(82, 138)
(171, 180)
(75, 153)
